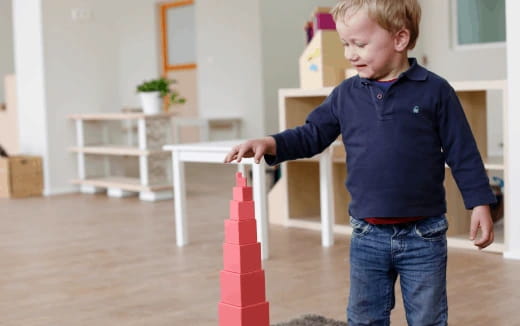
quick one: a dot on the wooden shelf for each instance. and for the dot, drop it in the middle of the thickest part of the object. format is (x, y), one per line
(295, 199)
(125, 183)
(116, 150)
(153, 168)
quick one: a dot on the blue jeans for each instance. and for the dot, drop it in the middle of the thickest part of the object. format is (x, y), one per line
(417, 252)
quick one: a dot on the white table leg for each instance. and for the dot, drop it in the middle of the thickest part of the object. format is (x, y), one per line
(242, 169)
(179, 190)
(262, 224)
(326, 198)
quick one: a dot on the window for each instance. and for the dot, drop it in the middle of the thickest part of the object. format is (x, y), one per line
(178, 35)
(478, 23)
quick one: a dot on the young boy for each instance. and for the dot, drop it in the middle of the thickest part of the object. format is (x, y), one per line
(399, 123)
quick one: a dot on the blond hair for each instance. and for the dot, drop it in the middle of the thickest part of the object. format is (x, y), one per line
(392, 15)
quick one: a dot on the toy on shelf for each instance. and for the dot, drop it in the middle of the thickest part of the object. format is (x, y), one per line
(322, 63)
(321, 19)
(242, 281)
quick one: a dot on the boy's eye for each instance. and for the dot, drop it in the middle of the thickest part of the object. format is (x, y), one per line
(360, 45)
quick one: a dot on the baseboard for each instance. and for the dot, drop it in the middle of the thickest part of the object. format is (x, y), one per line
(512, 255)
(60, 191)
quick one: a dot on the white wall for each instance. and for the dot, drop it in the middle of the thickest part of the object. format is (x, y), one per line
(70, 67)
(229, 61)
(6, 44)
(30, 79)
(513, 132)
(455, 65)
(283, 41)
(93, 67)
(138, 50)
(81, 76)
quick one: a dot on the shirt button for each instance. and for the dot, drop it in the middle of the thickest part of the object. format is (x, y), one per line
(379, 96)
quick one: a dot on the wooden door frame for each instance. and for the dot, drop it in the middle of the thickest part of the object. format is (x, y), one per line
(163, 8)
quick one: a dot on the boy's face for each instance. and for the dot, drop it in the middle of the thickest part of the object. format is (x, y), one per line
(371, 49)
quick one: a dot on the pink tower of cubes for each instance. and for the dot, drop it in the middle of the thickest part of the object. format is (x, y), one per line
(242, 281)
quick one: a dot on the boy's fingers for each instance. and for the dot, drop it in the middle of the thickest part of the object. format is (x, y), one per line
(231, 155)
(486, 239)
(241, 153)
(258, 154)
(473, 229)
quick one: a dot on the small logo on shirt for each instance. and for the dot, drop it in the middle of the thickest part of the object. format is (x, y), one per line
(416, 109)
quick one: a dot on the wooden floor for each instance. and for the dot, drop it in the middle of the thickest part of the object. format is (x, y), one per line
(92, 260)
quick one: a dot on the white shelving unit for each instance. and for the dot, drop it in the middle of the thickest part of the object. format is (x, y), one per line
(295, 199)
(152, 181)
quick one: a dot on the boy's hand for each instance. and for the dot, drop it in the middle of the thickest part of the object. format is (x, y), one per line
(481, 218)
(252, 148)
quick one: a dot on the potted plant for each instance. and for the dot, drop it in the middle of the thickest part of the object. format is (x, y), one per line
(152, 93)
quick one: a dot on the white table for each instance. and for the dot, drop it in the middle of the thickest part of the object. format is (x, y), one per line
(215, 152)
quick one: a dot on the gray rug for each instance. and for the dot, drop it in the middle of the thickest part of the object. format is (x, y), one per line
(313, 320)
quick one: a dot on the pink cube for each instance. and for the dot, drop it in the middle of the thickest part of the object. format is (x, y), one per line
(255, 315)
(240, 210)
(242, 258)
(240, 231)
(242, 193)
(242, 289)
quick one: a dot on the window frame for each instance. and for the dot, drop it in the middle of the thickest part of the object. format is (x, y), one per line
(473, 46)
(166, 66)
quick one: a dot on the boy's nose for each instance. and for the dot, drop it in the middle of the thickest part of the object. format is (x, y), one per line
(351, 55)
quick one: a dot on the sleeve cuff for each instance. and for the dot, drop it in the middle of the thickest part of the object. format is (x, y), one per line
(280, 149)
(485, 199)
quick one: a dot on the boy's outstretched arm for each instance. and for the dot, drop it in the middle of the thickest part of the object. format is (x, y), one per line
(252, 148)
(481, 218)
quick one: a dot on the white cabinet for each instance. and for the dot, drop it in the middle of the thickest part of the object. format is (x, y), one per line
(121, 153)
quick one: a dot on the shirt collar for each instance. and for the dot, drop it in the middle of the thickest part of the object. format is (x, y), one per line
(414, 72)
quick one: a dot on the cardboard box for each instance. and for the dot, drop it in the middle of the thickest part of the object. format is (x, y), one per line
(322, 63)
(20, 176)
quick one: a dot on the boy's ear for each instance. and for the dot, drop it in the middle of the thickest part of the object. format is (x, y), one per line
(401, 40)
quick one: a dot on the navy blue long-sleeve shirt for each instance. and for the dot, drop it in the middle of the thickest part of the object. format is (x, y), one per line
(397, 143)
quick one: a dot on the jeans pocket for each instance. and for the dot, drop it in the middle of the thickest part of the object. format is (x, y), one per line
(359, 227)
(432, 228)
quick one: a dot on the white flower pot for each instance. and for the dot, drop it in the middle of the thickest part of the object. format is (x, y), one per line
(151, 102)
